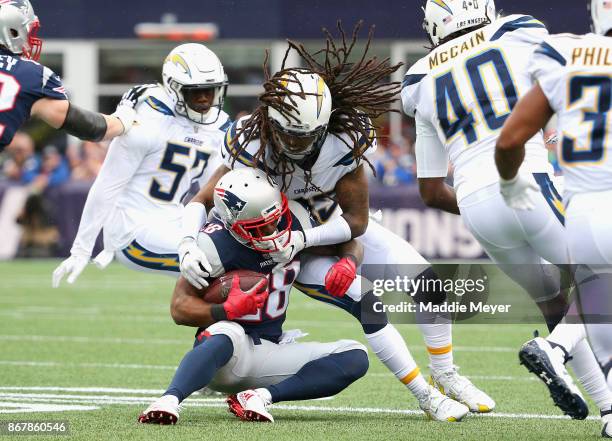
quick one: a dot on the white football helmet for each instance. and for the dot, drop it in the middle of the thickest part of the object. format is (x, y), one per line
(304, 129)
(19, 27)
(194, 66)
(446, 17)
(601, 12)
(254, 210)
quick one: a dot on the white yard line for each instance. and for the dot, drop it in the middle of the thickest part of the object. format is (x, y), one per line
(27, 399)
(162, 341)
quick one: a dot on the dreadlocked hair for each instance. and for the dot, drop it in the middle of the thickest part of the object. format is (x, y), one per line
(359, 95)
(360, 90)
(278, 96)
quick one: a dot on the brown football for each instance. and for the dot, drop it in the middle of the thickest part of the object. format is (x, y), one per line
(218, 291)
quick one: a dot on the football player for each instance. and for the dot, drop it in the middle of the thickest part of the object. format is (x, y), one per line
(574, 81)
(318, 153)
(136, 198)
(29, 89)
(460, 94)
(240, 343)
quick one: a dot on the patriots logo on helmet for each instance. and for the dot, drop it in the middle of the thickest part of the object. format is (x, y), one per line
(231, 201)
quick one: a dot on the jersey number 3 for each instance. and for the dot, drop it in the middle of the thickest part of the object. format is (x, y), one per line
(453, 114)
(596, 116)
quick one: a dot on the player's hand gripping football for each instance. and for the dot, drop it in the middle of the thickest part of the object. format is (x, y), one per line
(286, 253)
(519, 192)
(241, 303)
(126, 110)
(193, 263)
(340, 276)
(73, 266)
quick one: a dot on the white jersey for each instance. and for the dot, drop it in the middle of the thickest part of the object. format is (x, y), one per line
(462, 93)
(575, 73)
(334, 161)
(147, 172)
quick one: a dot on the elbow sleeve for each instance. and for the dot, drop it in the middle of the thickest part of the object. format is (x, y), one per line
(86, 125)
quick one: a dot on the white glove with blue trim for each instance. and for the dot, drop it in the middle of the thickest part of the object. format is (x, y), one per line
(520, 193)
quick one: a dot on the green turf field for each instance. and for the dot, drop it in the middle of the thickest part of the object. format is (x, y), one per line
(108, 345)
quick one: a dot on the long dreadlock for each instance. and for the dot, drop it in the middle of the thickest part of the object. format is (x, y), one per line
(359, 90)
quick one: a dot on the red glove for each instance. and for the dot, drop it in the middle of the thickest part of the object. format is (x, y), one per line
(340, 276)
(241, 303)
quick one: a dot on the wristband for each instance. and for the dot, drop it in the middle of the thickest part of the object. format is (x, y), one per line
(352, 257)
(218, 312)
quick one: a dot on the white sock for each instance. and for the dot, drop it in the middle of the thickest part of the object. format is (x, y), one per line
(589, 374)
(567, 335)
(390, 348)
(437, 332)
(265, 394)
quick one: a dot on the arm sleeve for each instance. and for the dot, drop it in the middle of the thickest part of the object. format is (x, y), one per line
(336, 230)
(123, 159)
(431, 156)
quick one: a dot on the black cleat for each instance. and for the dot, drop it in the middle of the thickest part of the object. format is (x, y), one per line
(538, 357)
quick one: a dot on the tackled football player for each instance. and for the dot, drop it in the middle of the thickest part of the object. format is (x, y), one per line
(240, 343)
(313, 132)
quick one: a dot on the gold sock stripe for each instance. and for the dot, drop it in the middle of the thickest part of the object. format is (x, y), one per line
(411, 376)
(440, 351)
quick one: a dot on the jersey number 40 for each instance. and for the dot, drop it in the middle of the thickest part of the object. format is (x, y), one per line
(455, 117)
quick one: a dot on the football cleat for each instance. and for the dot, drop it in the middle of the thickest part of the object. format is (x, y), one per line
(459, 388)
(439, 407)
(249, 406)
(606, 423)
(539, 357)
(163, 411)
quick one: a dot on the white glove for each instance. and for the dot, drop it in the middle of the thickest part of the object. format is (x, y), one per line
(288, 252)
(519, 192)
(194, 264)
(126, 110)
(73, 266)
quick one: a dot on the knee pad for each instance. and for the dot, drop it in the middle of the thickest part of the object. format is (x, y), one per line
(233, 330)
(433, 291)
(371, 321)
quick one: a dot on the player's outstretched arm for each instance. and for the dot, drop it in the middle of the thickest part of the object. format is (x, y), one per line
(87, 125)
(530, 115)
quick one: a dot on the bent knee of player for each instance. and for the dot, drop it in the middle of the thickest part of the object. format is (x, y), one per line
(233, 330)
(355, 359)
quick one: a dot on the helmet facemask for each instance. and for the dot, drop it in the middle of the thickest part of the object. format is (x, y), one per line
(263, 234)
(182, 107)
(297, 145)
(33, 48)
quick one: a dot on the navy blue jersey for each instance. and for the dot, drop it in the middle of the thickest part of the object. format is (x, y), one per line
(22, 83)
(225, 254)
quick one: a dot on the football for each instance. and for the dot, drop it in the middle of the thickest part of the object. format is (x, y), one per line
(218, 291)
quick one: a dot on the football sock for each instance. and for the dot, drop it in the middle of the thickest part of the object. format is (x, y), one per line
(320, 378)
(589, 373)
(567, 335)
(391, 350)
(199, 366)
(439, 340)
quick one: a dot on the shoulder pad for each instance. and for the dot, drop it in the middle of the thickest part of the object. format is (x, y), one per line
(515, 22)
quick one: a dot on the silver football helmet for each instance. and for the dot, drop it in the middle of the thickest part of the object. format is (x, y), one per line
(254, 210)
(19, 28)
(193, 67)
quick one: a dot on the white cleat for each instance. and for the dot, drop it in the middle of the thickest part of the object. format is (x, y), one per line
(439, 407)
(539, 357)
(459, 388)
(163, 411)
(606, 423)
(249, 406)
